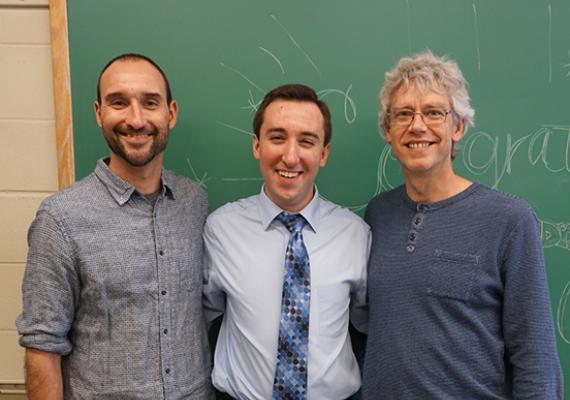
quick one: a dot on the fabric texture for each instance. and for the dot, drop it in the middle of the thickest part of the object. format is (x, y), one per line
(115, 287)
(245, 249)
(292, 349)
(459, 304)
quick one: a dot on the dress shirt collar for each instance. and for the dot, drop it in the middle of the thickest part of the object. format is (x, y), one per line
(122, 190)
(268, 210)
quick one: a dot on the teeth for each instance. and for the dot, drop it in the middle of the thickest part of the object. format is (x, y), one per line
(286, 174)
(135, 135)
(418, 145)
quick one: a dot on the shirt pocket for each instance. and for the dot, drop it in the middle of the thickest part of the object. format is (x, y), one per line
(333, 310)
(453, 275)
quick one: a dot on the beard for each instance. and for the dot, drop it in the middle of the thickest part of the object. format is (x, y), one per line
(136, 158)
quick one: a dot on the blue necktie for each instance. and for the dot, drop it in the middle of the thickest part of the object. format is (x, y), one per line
(293, 348)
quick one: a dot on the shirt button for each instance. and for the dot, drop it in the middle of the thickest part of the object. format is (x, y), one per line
(412, 236)
(167, 370)
(165, 331)
(163, 292)
(410, 248)
(161, 252)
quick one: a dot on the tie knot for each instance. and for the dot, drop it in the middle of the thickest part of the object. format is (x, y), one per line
(293, 222)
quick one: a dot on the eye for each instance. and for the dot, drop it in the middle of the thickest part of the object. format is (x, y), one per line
(151, 103)
(307, 142)
(277, 138)
(403, 115)
(434, 113)
(118, 103)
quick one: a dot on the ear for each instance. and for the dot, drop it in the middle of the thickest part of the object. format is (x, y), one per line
(388, 136)
(173, 114)
(255, 147)
(97, 109)
(458, 132)
(325, 155)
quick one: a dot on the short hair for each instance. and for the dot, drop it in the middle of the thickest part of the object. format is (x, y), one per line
(426, 70)
(134, 57)
(293, 92)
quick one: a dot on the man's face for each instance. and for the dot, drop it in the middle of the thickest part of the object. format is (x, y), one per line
(423, 149)
(134, 114)
(290, 150)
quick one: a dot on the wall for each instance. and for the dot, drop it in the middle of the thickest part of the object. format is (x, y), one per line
(28, 166)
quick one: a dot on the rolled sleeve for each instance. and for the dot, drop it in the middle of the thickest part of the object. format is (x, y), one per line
(49, 288)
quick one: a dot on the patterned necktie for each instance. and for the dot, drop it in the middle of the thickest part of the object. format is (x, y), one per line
(290, 380)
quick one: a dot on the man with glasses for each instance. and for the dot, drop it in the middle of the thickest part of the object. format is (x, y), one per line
(459, 305)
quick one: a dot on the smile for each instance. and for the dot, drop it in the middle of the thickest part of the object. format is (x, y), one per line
(135, 134)
(418, 145)
(288, 174)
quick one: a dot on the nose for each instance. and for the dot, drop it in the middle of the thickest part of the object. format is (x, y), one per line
(291, 153)
(135, 116)
(418, 124)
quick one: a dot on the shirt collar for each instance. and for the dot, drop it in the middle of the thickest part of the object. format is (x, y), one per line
(122, 190)
(268, 210)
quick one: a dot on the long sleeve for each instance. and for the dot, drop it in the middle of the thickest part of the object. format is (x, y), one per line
(358, 299)
(214, 300)
(527, 317)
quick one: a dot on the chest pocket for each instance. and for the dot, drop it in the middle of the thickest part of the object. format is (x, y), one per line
(453, 275)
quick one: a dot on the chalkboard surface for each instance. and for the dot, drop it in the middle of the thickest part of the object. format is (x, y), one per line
(223, 55)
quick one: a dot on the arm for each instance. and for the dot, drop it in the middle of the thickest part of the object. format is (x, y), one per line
(49, 289)
(527, 316)
(43, 375)
(213, 299)
(359, 299)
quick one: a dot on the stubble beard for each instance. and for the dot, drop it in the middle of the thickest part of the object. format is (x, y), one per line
(159, 142)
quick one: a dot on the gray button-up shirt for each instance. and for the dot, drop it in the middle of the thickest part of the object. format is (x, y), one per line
(114, 285)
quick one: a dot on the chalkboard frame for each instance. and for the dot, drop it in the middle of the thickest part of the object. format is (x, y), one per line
(62, 92)
(65, 149)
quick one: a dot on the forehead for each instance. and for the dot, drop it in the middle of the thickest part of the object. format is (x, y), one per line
(301, 114)
(414, 94)
(132, 76)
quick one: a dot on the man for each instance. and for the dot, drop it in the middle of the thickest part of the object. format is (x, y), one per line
(459, 305)
(112, 289)
(286, 295)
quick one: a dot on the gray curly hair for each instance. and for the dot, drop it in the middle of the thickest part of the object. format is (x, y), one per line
(426, 71)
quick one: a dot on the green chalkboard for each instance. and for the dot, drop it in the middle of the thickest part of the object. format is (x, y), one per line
(222, 55)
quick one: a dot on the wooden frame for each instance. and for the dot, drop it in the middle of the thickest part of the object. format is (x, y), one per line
(62, 92)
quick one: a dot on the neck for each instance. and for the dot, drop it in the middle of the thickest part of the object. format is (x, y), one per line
(145, 179)
(430, 189)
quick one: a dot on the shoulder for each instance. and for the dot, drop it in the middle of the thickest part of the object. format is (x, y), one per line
(72, 198)
(185, 188)
(340, 216)
(188, 194)
(234, 211)
(391, 197)
(501, 205)
(386, 202)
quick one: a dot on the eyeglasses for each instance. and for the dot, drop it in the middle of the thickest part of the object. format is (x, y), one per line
(430, 117)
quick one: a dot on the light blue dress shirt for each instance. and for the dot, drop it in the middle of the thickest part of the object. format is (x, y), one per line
(245, 255)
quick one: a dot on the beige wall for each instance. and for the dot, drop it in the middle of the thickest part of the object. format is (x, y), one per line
(28, 166)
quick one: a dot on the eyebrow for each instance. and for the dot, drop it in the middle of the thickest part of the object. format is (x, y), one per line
(310, 134)
(117, 95)
(304, 133)
(424, 106)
